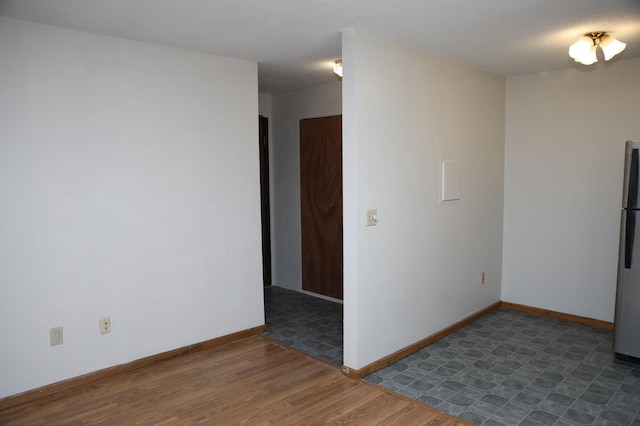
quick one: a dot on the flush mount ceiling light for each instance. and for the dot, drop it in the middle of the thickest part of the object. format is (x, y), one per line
(337, 68)
(584, 50)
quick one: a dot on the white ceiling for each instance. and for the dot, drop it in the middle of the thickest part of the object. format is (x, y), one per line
(296, 41)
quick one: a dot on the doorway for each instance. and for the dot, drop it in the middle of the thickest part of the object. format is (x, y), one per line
(321, 205)
(265, 207)
(309, 322)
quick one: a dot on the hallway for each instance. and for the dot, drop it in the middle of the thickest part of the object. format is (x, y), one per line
(309, 324)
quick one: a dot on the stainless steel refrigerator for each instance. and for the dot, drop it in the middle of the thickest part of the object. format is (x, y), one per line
(626, 337)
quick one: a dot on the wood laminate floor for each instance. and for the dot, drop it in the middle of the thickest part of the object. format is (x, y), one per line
(251, 381)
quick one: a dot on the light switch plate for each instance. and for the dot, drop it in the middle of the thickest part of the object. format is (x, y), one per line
(55, 336)
(450, 181)
(372, 217)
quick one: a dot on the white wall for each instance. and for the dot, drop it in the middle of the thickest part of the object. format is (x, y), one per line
(288, 109)
(565, 135)
(264, 104)
(129, 187)
(419, 270)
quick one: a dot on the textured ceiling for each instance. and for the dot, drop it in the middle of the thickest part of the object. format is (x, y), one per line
(296, 42)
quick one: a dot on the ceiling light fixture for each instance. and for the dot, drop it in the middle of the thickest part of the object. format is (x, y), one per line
(337, 68)
(584, 50)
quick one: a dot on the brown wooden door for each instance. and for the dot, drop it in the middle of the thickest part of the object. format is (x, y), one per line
(321, 204)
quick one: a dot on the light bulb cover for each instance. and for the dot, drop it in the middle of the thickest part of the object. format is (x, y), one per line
(581, 48)
(610, 46)
(337, 68)
(584, 51)
(589, 57)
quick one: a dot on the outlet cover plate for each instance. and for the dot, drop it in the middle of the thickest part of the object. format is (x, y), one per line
(105, 325)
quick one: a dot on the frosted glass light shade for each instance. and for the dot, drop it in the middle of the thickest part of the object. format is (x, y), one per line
(584, 51)
(610, 46)
(337, 68)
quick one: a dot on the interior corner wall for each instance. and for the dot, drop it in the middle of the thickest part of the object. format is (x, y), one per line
(129, 186)
(288, 108)
(419, 270)
(565, 137)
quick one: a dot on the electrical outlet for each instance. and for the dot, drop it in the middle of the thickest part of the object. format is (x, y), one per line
(482, 278)
(105, 325)
(55, 336)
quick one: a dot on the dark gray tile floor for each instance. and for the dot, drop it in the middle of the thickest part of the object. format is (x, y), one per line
(511, 368)
(309, 324)
(507, 368)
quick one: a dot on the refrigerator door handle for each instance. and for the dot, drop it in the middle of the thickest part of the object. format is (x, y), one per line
(632, 196)
(630, 231)
(632, 203)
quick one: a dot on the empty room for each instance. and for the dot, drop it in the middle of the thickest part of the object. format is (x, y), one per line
(480, 222)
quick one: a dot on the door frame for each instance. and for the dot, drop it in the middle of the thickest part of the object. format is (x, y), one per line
(265, 205)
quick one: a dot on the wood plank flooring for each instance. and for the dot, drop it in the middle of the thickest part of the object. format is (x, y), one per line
(250, 381)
